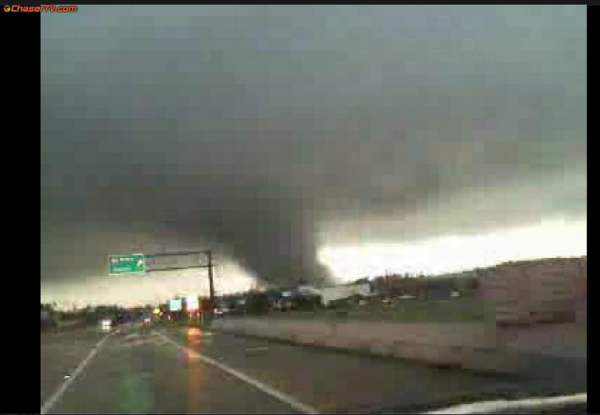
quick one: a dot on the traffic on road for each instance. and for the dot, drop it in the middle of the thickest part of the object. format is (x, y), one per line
(137, 368)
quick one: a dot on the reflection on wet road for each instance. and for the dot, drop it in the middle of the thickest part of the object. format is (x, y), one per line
(187, 370)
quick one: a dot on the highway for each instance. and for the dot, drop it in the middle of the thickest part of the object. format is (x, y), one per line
(139, 369)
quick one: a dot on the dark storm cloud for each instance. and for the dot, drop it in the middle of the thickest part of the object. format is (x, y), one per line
(268, 130)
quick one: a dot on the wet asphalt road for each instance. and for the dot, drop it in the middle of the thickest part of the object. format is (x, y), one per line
(186, 370)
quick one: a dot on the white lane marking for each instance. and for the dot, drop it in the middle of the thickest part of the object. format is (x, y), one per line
(257, 384)
(492, 406)
(50, 402)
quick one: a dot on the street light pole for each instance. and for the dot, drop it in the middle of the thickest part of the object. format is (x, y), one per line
(210, 280)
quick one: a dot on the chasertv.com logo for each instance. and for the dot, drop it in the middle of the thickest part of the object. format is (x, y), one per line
(44, 8)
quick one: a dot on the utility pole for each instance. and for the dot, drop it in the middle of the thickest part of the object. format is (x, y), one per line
(210, 280)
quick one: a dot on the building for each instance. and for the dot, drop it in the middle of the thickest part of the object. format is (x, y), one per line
(536, 291)
(340, 292)
(46, 315)
(581, 296)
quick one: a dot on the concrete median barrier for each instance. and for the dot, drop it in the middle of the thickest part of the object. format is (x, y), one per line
(472, 346)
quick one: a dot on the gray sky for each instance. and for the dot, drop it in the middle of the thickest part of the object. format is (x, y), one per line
(268, 132)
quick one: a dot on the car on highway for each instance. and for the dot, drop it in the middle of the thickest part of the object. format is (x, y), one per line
(106, 324)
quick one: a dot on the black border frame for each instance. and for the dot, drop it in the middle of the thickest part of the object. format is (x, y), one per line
(21, 35)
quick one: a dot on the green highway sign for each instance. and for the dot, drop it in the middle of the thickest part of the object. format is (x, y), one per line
(126, 264)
